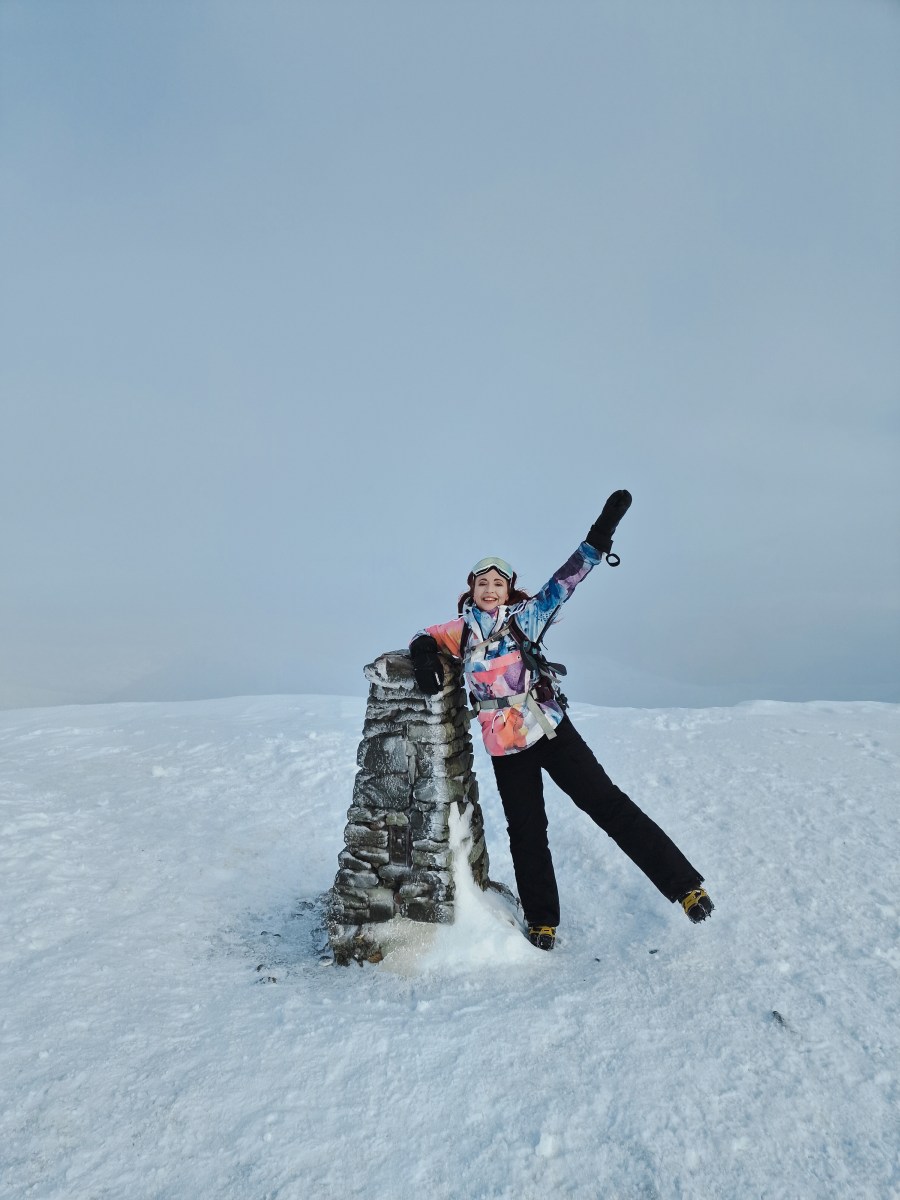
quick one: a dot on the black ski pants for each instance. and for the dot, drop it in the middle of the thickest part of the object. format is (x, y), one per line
(571, 764)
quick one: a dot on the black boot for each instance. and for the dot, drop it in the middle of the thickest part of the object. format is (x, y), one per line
(697, 905)
(542, 936)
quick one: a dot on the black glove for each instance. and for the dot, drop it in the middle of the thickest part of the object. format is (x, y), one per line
(427, 666)
(601, 532)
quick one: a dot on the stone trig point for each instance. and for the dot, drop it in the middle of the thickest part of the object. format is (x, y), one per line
(415, 760)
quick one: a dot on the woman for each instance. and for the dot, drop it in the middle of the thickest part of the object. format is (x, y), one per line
(526, 730)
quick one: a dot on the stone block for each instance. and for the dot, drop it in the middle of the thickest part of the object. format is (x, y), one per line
(392, 669)
(429, 846)
(454, 767)
(390, 791)
(438, 790)
(356, 944)
(476, 826)
(396, 818)
(481, 869)
(477, 850)
(413, 891)
(439, 860)
(372, 857)
(439, 882)
(438, 733)
(351, 902)
(431, 824)
(434, 912)
(345, 913)
(381, 904)
(394, 875)
(355, 898)
(378, 728)
(350, 862)
(426, 751)
(361, 835)
(408, 702)
(402, 716)
(381, 756)
(460, 764)
(402, 696)
(366, 814)
(356, 881)
(396, 713)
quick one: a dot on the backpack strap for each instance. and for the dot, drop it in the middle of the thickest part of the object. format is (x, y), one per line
(464, 640)
(533, 654)
(525, 700)
(541, 670)
(495, 636)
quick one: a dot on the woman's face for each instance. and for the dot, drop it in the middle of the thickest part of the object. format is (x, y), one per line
(490, 590)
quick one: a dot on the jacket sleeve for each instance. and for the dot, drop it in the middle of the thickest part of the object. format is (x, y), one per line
(447, 636)
(536, 614)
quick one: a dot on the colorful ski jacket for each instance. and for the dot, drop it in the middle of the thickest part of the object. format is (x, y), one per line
(495, 668)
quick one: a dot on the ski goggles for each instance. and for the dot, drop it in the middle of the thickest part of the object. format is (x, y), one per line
(500, 565)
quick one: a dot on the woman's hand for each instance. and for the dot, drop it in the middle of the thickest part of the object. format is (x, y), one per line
(427, 666)
(601, 532)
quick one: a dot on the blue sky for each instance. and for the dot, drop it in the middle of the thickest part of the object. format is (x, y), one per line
(306, 307)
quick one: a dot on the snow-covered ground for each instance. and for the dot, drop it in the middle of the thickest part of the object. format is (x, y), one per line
(162, 863)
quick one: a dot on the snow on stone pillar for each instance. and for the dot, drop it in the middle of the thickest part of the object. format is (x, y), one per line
(415, 760)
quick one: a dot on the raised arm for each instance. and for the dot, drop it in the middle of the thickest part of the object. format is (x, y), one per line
(537, 613)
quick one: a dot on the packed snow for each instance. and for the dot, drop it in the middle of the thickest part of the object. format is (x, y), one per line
(172, 1025)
